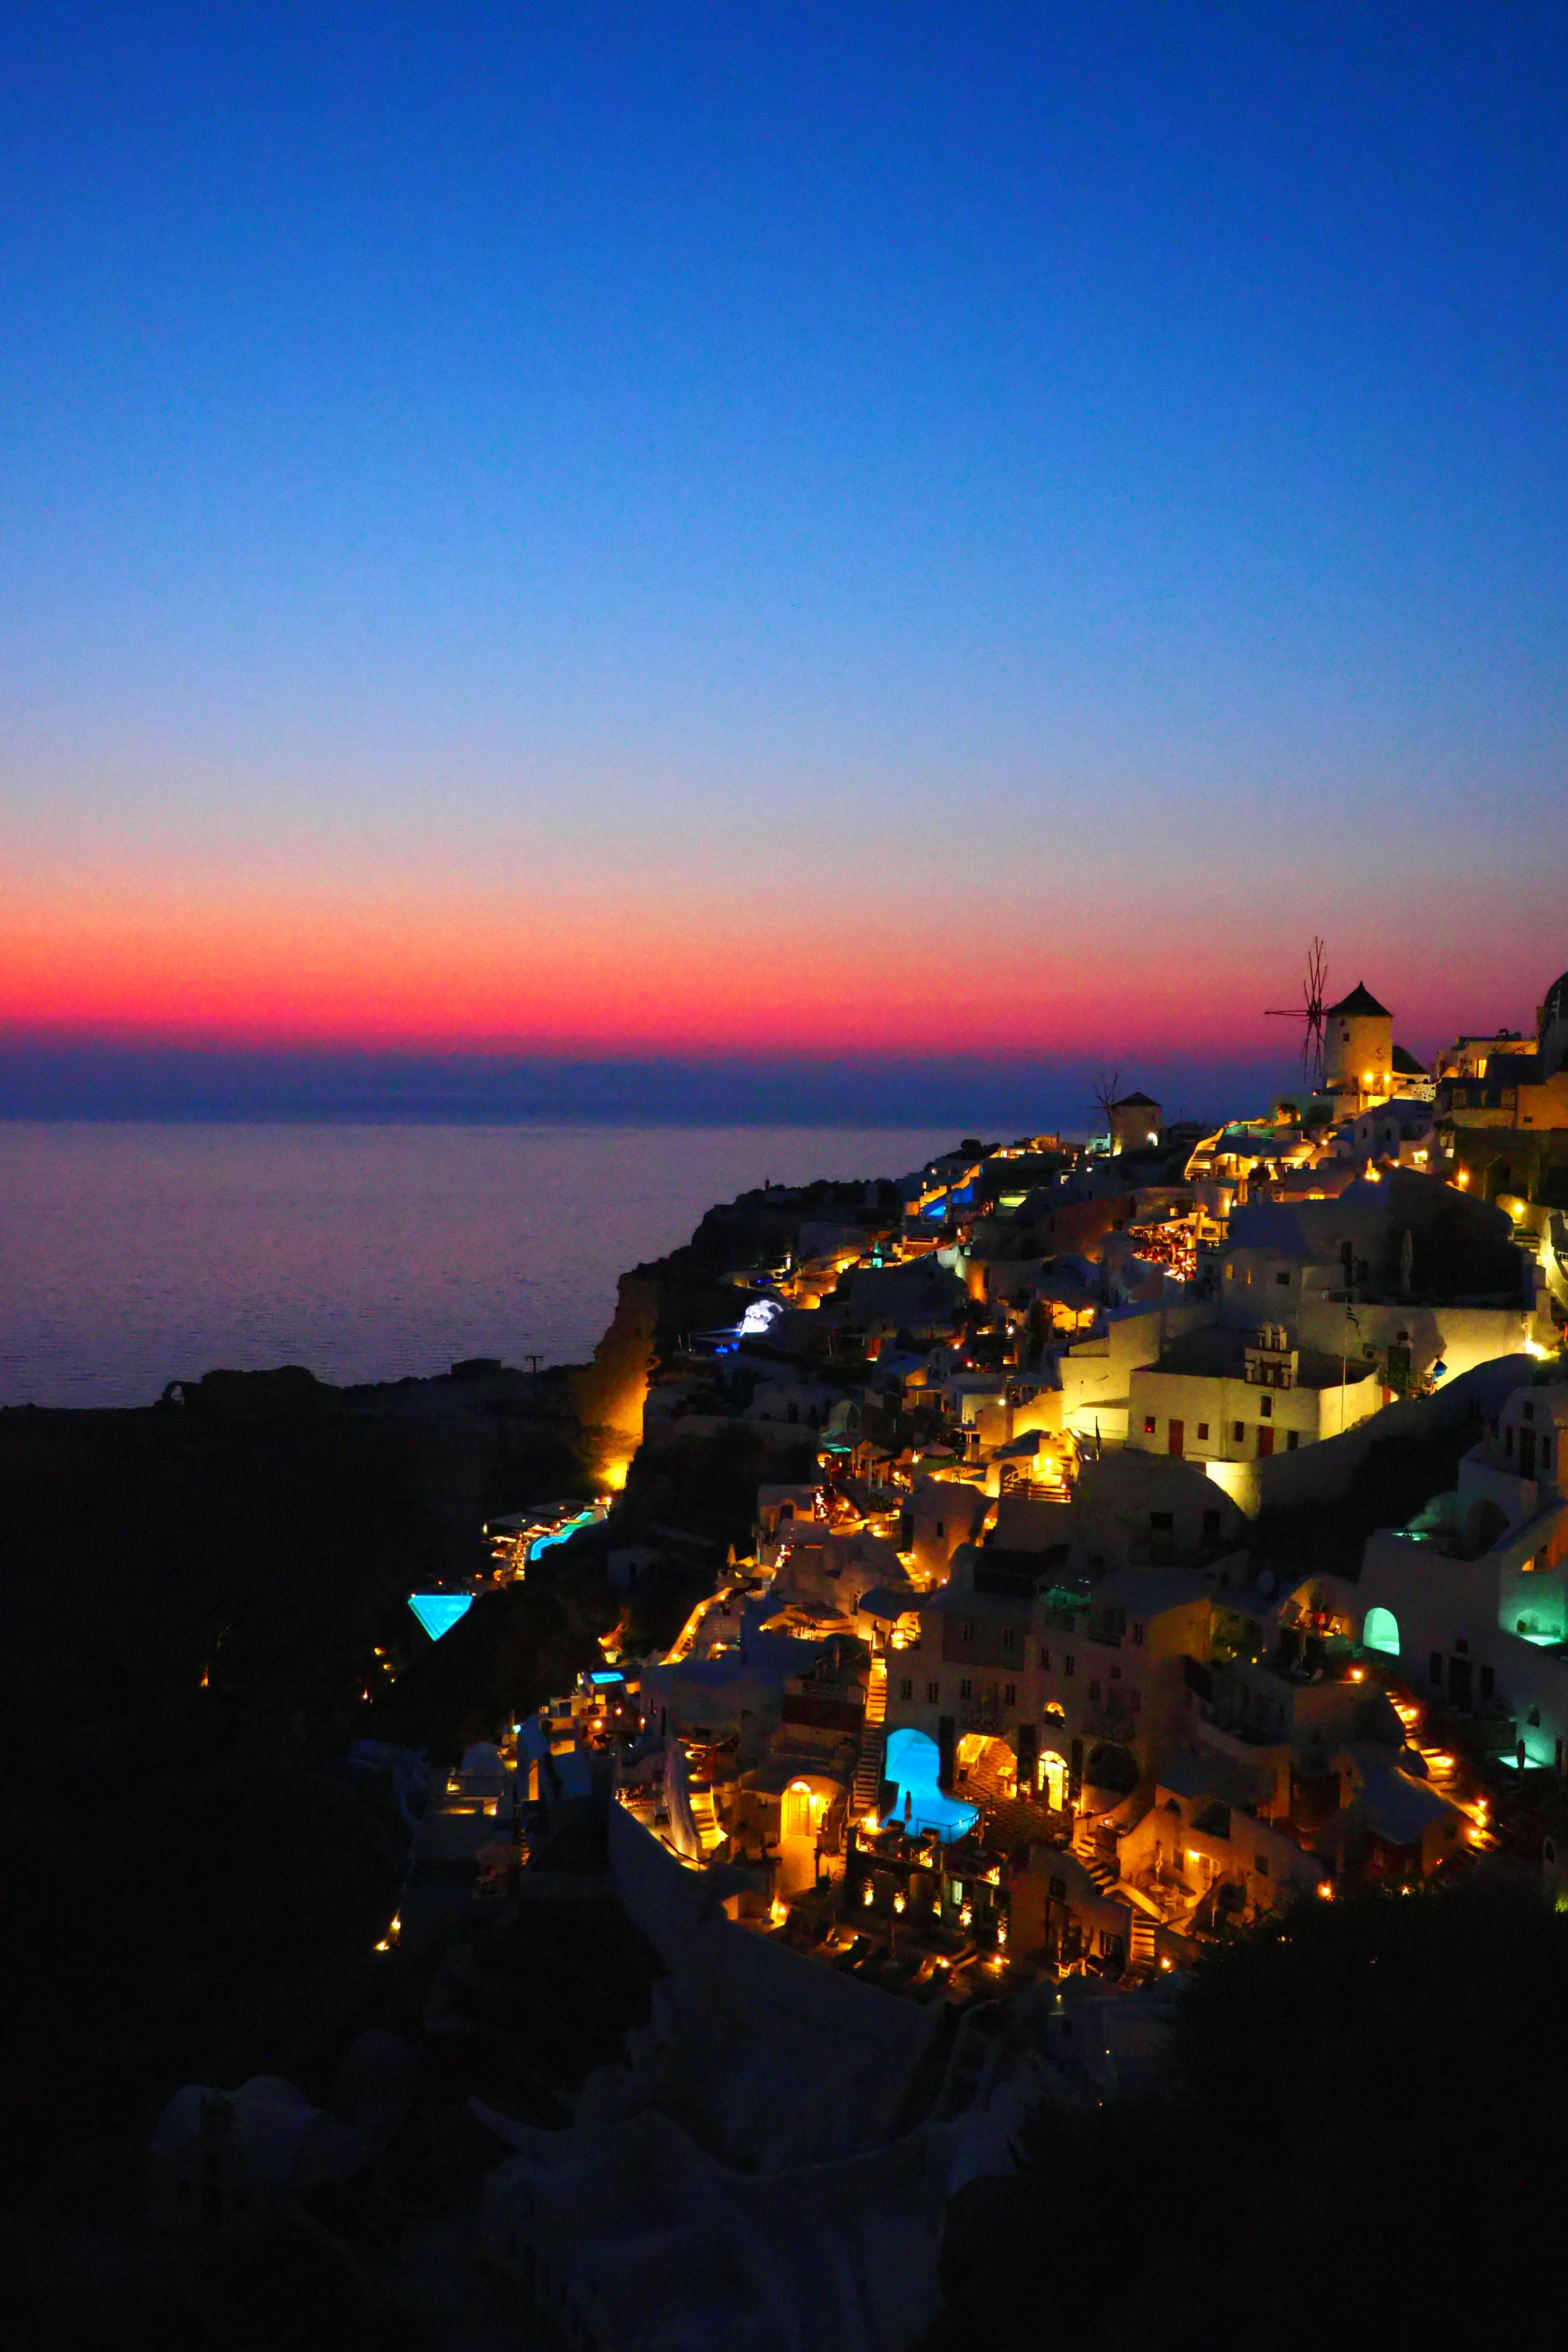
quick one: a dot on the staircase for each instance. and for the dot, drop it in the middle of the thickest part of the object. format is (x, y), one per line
(705, 1820)
(1141, 1950)
(1099, 1865)
(1102, 1871)
(873, 1742)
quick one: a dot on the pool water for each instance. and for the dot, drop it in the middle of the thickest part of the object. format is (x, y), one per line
(912, 1762)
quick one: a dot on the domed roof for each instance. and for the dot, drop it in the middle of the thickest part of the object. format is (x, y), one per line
(1556, 1006)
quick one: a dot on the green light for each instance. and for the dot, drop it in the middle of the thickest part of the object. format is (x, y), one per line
(1381, 1632)
(439, 1611)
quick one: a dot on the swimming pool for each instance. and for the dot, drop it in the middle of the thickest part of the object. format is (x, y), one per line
(912, 1761)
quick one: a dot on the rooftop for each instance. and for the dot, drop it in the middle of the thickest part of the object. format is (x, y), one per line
(1362, 1002)
(1219, 1353)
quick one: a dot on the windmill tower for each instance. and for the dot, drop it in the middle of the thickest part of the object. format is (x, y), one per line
(1310, 1011)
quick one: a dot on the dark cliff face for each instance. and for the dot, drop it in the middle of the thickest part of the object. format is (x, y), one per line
(206, 1605)
(263, 1533)
(195, 1598)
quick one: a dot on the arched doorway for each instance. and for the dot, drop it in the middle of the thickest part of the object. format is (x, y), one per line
(1054, 1780)
(797, 1810)
(801, 1817)
(1381, 1632)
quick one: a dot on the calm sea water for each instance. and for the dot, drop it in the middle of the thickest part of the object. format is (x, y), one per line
(134, 1255)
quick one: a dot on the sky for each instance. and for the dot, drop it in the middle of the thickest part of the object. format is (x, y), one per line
(697, 536)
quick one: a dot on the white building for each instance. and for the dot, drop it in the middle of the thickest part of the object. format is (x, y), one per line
(1472, 1596)
(1229, 1395)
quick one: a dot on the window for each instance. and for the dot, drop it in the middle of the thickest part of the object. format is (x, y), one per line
(941, 1530)
(1148, 1424)
(1292, 1440)
(1009, 1694)
(1068, 1667)
(1261, 1864)
(1488, 1680)
(1527, 1413)
(1044, 1662)
(1546, 1454)
(1203, 1433)
(1238, 1432)
(966, 1688)
(1463, 1648)
(1094, 1694)
(1137, 1635)
(1211, 1526)
(1134, 1700)
(934, 1694)
(1282, 1276)
(907, 1687)
(1435, 1666)
(1266, 1408)
(966, 1629)
(1011, 1637)
(1508, 1438)
(1116, 1673)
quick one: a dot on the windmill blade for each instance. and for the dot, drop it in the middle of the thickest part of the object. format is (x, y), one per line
(1315, 987)
(1310, 1013)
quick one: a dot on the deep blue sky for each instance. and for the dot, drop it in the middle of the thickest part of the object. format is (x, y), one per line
(675, 528)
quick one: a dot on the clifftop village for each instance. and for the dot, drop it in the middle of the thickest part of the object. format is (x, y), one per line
(1068, 1642)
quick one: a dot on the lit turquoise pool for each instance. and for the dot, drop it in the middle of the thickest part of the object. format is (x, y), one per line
(563, 1534)
(912, 1763)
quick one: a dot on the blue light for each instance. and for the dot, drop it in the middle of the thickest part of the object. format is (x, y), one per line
(543, 1543)
(439, 1611)
(912, 1763)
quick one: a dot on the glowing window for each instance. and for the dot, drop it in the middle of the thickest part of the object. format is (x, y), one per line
(1381, 1632)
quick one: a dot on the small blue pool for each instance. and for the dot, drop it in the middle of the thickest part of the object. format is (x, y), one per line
(912, 1761)
(439, 1611)
(563, 1534)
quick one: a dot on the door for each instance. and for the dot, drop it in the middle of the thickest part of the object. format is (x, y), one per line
(1265, 1441)
(1178, 1438)
(1460, 1682)
(1527, 1453)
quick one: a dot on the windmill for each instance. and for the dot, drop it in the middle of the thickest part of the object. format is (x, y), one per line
(1107, 1094)
(1310, 1011)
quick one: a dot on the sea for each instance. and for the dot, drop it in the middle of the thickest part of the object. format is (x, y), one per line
(135, 1253)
